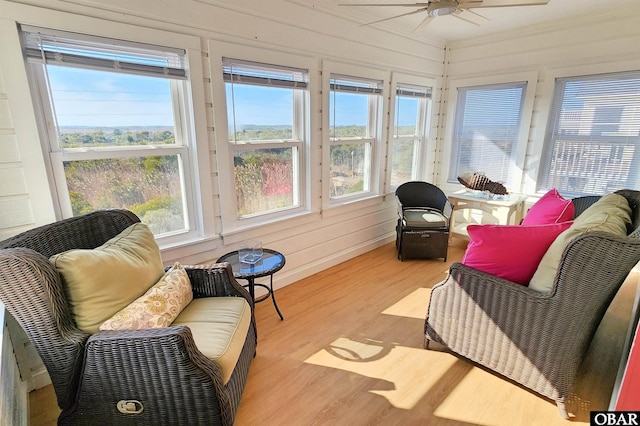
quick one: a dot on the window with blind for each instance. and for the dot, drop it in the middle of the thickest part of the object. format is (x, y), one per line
(592, 143)
(486, 131)
(266, 113)
(354, 112)
(410, 126)
(112, 112)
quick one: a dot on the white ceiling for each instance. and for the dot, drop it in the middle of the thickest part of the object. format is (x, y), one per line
(448, 28)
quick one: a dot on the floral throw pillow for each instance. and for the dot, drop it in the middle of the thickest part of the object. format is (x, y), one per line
(158, 307)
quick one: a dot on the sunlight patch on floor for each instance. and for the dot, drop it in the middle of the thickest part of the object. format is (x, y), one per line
(479, 392)
(409, 371)
(413, 305)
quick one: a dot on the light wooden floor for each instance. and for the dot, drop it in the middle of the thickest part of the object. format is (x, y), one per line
(349, 352)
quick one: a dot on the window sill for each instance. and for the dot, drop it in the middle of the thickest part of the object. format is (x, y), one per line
(239, 231)
(192, 250)
(353, 205)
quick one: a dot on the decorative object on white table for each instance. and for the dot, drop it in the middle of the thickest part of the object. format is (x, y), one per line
(479, 182)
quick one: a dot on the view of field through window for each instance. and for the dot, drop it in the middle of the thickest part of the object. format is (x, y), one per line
(406, 138)
(263, 176)
(126, 114)
(352, 138)
(148, 186)
(99, 112)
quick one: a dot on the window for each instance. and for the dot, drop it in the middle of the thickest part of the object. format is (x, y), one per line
(266, 115)
(486, 131)
(592, 143)
(355, 106)
(410, 126)
(116, 130)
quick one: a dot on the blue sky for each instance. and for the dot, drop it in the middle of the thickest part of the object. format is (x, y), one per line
(271, 106)
(104, 99)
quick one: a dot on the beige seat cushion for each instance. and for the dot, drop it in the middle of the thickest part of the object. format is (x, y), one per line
(424, 219)
(611, 214)
(219, 326)
(100, 282)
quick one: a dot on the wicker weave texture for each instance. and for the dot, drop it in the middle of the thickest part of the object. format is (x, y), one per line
(31, 289)
(161, 368)
(421, 242)
(535, 339)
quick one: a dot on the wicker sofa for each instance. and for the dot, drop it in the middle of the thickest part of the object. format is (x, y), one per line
(145, 376)
(535, 339)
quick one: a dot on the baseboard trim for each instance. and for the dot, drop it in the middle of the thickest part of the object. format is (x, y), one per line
(290, 276)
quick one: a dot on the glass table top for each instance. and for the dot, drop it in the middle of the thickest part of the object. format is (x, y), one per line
(271, 262)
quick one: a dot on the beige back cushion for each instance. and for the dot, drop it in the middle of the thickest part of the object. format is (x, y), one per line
(100, 282)
(609, 214)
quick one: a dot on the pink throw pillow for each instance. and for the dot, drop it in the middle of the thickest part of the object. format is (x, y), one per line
(551, 208)
(512, 252)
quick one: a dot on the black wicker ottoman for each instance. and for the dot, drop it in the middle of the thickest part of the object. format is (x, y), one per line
(424, 244)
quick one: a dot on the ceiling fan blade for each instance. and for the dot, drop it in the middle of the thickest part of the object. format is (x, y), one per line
(424, 23)
(475, 4)
(386, 4)
(413, 12)
(470, 16)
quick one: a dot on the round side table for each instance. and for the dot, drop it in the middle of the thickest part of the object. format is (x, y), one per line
(271, 262)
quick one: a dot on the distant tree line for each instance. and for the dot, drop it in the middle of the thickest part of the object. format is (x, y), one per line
(151, 187)
(77, 139)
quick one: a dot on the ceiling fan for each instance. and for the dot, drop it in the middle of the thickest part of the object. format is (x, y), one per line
(435, 8)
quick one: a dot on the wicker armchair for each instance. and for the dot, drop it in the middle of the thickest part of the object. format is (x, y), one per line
(537, 340)
(424, 213)
(160, 367)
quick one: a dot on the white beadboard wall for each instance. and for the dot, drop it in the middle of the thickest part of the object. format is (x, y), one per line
(16, 209)
(25, 200)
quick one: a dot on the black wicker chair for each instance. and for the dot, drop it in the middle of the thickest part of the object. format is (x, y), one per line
(424, 213)
(162, 368)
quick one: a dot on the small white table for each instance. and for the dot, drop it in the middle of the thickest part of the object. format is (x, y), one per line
(508, 211)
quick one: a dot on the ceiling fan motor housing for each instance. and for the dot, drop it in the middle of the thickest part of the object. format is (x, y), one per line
(442, 8)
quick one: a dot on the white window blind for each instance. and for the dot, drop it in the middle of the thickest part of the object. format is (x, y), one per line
(592, 142)
(486, 129)
(84, 51)
(258, 74)
(349, 84)
(411, 91)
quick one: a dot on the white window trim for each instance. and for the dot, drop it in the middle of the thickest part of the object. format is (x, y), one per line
(198, 182)
(531, 78)
(378, 149)
(58, 155)
(545, 103)
(217, 51)
(424, 167)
